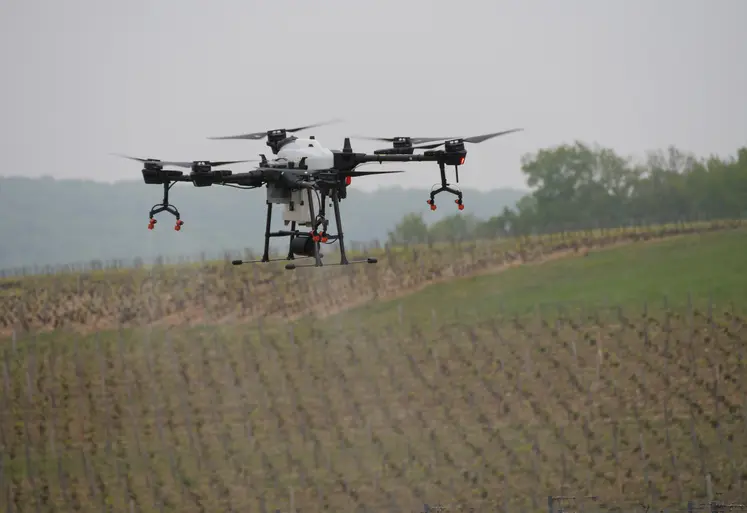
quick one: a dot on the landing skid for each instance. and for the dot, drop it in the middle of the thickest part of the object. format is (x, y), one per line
(370, 260)
(310, 243)
(260, 261)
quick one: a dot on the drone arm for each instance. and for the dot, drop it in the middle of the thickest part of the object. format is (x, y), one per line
(425, 157)
(182, 179)
(442, 157)
(254, 178)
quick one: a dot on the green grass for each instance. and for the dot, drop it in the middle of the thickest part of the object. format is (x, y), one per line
(706, 268)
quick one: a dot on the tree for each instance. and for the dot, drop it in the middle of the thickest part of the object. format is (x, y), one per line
(497, 226)
(454, 227)
(562, 177)
(579, 186)
(410, 230)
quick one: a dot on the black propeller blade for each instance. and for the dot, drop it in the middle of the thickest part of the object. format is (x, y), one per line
(476, 139)
(300, 128)
(367, 173)
(255, 136)
(185, 164)
(228, 162)
(413, 140)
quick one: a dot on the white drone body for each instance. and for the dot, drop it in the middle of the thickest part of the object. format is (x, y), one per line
(316, 157)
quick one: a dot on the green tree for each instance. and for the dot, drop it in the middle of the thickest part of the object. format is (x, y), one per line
(410, 230)
(497, 226)
(580, 186)
(454, 227)
(576, 183)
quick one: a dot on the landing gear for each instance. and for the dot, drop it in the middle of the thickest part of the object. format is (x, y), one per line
(308, 244)
(164, 206)
(445, 187)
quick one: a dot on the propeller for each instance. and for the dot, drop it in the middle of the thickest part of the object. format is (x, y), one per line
(413, 140)
(476, 139)
(366, 173)
(185, 164)
(255, 136)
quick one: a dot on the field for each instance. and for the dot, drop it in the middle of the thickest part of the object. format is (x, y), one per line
(219, 292)
(607, 364)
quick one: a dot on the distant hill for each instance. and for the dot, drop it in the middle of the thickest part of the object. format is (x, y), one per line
(49, 222)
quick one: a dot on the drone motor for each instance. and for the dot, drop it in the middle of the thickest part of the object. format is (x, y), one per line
(276, 139)
(203, 175)
(456, 153)
(400, 146)
(201, 166)
(154, 175)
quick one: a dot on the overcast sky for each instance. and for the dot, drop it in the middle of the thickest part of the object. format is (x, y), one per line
(84, 78)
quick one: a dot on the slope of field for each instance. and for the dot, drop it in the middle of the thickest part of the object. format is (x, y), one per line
(219, 292)
(709, 267)
(441, 397)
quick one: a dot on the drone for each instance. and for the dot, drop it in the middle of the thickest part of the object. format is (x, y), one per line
(305, 177)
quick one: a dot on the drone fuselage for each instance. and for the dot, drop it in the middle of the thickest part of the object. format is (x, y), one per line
(317, 156)
(295, 202)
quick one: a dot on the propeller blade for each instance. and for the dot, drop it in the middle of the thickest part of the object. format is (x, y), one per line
(428, 146)
(474, 139)
(255, 136)
(480, 138)
(323, 123)
(413, 140)
(252, 137)
(155, 161)
(185, 163)
(229, 162)
(367, 173)
(177, 164)
(137, 159)
(366, 138)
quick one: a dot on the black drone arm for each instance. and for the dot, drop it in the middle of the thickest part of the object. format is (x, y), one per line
(254, 178)
(455, 157)
(347, 161)
(425, 157)
(201, 176)
(444, 158)
(290, 178)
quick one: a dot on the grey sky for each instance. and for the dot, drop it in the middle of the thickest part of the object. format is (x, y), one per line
(82, 79)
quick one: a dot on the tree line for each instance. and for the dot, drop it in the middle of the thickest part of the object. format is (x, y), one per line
(580, 186)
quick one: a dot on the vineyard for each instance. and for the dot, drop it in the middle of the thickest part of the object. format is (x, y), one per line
(213, 388)
(220, 292)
